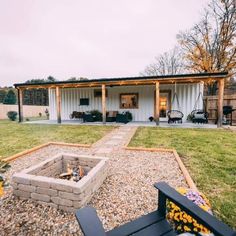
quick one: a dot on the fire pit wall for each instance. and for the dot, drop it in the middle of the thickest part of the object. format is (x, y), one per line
(41, 182)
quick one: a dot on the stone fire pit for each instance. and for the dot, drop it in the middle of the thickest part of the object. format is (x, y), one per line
(41, 182)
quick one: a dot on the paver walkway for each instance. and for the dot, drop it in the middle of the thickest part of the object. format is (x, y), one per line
(113, 141)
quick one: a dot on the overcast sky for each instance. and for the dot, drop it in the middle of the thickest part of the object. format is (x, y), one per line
(93, 39)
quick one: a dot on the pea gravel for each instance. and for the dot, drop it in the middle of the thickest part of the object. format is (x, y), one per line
(126, 194)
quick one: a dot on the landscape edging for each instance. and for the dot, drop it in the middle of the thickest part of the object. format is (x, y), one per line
(28, 151)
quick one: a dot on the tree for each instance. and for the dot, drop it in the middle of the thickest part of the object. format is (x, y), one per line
(77, 79)
(37, 96)
(10, 98)
(3, 94)
(168, 63)
(210, 46)
(35, 81)
(51, 79)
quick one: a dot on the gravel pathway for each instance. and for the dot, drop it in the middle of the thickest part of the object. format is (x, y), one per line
(126, 194)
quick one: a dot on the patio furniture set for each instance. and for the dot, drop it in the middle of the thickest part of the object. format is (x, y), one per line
(95, 115)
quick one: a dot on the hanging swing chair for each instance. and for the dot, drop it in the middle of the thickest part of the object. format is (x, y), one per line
(199, 115)
(175, 115)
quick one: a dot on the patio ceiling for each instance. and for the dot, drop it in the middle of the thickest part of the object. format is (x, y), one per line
(144, 80)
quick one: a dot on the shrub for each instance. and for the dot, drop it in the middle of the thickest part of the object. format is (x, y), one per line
(12, 115)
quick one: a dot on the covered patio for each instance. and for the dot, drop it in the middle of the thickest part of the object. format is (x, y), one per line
(146, 98)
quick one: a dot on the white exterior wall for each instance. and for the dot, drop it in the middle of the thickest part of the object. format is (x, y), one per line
(187, 94)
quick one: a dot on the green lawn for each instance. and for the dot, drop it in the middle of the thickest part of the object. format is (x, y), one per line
(15, 137)
(210, 156)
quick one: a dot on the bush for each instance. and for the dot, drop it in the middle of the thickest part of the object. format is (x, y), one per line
(12, 115)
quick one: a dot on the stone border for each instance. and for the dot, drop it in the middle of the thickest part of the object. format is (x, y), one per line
(182, 167)
(28, 151)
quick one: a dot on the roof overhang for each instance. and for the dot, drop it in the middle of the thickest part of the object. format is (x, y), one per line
(143, 80)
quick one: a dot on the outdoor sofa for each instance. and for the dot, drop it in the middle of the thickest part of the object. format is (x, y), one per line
(111, 116)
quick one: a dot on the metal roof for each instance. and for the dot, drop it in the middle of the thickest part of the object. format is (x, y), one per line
(138, 78)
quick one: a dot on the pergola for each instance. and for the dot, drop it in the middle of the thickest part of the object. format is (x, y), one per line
(218, 77)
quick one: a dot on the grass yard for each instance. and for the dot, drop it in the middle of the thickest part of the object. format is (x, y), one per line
(209, 155)
(15, 137)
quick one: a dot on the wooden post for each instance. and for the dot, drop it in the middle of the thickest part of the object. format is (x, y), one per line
(220, 103)
(103, 104)
(58, 102)
(157, 103)
(20, 104)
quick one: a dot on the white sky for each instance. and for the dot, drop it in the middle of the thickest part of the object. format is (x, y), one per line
(90, 38)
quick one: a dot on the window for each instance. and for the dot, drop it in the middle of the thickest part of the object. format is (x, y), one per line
(84, 102)
(129, 100)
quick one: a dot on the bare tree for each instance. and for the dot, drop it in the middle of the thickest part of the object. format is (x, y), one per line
(210, 46)
(168, 63)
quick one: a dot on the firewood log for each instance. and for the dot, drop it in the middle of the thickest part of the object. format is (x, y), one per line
(81, 172)
(65, 175)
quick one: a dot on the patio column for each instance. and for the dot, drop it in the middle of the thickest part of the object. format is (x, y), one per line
(157, 102)
(20, 104)
(58, 102)
(220, 102)
(103, 104)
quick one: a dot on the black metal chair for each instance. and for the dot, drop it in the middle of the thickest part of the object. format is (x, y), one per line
(76, 115)
(175, 116)
(199, 116)
(154, 223)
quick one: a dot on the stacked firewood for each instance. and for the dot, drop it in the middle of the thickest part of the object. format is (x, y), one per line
(73, 174)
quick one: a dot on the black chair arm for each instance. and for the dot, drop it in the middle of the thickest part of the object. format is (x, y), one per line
(203, 217)
(89, 222)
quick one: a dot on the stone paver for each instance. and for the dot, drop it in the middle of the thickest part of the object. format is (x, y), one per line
(114, 141)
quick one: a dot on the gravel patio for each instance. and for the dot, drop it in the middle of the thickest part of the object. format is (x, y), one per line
(126, 194)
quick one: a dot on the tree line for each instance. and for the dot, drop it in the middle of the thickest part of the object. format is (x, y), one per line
(209, 46)
(31, 96)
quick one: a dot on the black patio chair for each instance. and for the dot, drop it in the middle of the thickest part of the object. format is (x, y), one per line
(199, 116)
(154, 223)
(175, 116)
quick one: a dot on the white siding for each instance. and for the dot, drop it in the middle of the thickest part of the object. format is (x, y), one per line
(187, 94)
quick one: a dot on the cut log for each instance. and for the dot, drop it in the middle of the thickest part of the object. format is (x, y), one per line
(81, 172)
(65, 175)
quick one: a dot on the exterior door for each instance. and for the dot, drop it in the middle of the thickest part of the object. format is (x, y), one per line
(164, 105)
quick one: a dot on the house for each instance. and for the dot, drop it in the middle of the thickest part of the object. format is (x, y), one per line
(144, 97)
